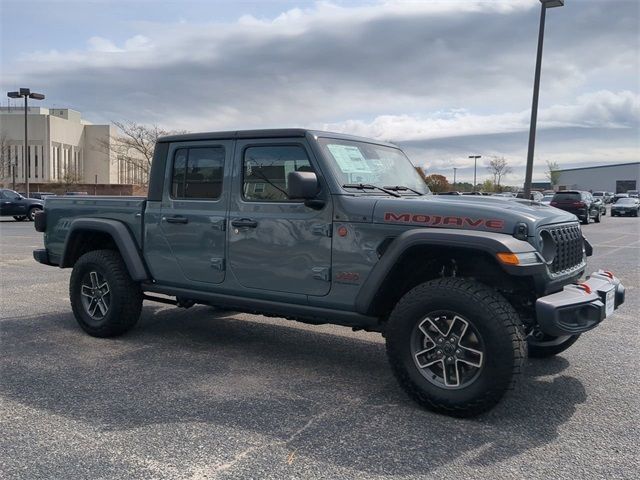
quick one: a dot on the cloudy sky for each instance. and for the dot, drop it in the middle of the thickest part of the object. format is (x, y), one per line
(444, 78)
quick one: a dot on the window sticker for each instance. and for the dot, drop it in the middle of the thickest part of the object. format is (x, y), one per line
(349, 158)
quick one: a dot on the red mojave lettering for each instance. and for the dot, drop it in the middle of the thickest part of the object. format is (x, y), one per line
(434, 220)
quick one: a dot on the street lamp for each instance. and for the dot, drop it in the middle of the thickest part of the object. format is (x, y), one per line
(26, 94)
(475, 167)
(536, 90)
(455, 169)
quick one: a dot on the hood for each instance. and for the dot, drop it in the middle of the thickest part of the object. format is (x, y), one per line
(493, 214)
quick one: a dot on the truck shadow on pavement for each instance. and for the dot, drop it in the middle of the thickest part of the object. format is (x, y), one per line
(324, 396)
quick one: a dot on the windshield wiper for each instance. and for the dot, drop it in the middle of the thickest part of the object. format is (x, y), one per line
(366, 186)
(402, 188)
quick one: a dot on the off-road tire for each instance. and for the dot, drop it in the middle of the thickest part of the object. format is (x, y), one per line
(125, 294)
(505, 346)
(546, 351)
(32, 213)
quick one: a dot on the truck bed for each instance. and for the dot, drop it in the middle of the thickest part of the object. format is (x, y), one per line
(62, 210)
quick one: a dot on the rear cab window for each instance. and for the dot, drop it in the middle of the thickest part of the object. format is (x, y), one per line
(567, 197)
(197, 173)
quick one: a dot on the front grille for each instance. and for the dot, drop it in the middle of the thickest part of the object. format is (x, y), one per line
(568, 255)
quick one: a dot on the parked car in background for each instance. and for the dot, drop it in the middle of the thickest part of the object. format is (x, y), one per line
(546, 199)
(602, 196)
(618, 196)
(626, 206)
(12, 204)
(580, 203)
(601, 205)
(535, 196)
(76, 193)
(450, 193)
(633, 193)
(504, 194)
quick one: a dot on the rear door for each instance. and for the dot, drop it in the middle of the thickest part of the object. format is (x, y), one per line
(194, 209)
(277, 244)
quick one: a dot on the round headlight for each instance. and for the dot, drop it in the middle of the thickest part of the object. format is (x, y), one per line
(547, 246)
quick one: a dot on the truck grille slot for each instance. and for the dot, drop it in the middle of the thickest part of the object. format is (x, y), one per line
(569, 255)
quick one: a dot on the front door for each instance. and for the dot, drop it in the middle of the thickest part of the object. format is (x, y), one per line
(275, 243)
(194, 209)
(11, 203)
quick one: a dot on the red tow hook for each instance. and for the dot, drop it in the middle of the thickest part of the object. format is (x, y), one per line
(608, 274)
(584, 287)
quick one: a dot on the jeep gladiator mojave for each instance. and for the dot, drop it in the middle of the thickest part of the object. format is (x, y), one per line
(329, 228)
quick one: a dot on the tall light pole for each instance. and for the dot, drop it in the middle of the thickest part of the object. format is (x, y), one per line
(455, 169)
(475, 168)
(26, 94)
(536, 91)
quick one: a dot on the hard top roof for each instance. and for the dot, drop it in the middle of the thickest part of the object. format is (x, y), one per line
(267, 133)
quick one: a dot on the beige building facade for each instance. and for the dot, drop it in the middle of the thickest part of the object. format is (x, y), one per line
(62, 148)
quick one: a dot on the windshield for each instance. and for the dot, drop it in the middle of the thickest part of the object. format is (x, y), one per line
(366, 163)
(627, 201)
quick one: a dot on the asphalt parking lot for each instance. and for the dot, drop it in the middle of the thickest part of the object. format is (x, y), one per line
(196, 394)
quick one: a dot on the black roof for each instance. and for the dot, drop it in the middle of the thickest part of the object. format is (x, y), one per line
(266, 133)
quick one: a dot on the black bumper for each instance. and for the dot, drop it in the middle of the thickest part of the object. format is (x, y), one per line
(41, 256)
(580, 307)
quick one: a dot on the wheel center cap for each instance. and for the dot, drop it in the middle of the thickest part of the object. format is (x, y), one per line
(448, 348)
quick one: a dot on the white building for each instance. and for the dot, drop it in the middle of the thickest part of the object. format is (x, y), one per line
(617, 178)
(62, 146)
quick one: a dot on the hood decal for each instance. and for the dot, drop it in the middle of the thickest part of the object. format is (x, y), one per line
(439, 220)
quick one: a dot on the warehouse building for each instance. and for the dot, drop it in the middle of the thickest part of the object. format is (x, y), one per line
(617, 178)
(62, 147)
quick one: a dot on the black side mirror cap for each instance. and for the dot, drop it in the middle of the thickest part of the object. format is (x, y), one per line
(302, 185)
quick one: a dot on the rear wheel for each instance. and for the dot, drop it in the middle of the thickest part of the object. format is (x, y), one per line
(455, 346)
(105, 300)
(543, 346)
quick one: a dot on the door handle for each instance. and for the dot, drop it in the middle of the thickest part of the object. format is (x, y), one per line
(176, 219)
(244, 222)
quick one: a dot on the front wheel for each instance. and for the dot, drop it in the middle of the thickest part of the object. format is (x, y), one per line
(597, 219)
(105, 300)
(544, 346)
(32, 213)
(455, 346)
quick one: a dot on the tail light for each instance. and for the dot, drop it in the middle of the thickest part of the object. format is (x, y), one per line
(579, 204)
(553, 204)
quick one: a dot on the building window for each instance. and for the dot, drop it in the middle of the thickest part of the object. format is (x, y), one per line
(35, 170)
(265, 171)
(197, 173)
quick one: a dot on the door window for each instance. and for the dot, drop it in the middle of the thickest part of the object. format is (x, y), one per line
(266, 168)
(197, 173)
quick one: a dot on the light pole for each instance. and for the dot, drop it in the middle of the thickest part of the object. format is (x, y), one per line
(475, 168)
(455, 169)
(26, 94)
(536, 91)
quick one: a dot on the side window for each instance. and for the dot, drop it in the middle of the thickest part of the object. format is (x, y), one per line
(265, 170)
(197, 173)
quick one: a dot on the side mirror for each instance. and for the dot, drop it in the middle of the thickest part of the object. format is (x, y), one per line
(302, 185)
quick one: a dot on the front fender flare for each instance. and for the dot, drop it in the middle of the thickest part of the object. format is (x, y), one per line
(121, 236)
(489, 242)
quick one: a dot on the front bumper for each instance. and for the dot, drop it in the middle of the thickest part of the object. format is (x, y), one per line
(580, 307)
(42, 256)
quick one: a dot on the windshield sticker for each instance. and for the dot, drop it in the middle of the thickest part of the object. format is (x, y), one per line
(349, 158)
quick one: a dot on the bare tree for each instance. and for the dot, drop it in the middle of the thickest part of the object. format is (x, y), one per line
(498, 167)
(69, 179)
(5, 156)
(553, 173)
(132, 148)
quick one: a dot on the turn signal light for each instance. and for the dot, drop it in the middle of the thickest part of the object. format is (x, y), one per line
(508, 258)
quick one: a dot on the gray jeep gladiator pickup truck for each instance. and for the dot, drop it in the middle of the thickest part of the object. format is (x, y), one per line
(329, 228)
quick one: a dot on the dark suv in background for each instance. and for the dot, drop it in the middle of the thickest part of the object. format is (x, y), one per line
(581, 204)
(12, 204)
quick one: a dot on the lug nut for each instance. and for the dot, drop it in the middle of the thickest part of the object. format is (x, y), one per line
(458, 352)
(450, 359)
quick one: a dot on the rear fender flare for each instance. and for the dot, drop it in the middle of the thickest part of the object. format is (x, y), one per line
(121, 236)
